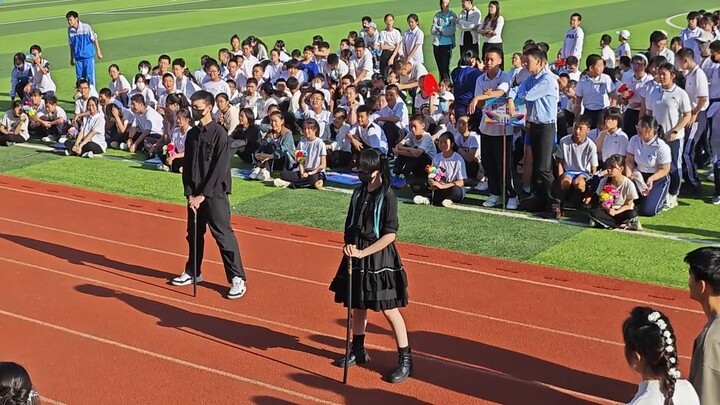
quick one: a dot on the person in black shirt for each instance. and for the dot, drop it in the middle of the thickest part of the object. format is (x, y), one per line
(207, 181)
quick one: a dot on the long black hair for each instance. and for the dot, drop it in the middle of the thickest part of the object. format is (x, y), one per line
(649, 121)
(650, 334)
(16, 388)
(371, 160)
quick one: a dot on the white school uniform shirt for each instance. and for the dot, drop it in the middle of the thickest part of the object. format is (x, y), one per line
(217, 87)
(324, 118)
(469, 142)
(411, 38)
(177, 138)
(95, 123)
(608, 56)
(577, 158)
(595, 92)
(667, 106)
(151, 120)
(689, 40)
(16, 75)
(41, 81)
(501, 81)
(392, 38)
(626, 190)
(497, 38)
(668, 54)
(249, 63)
(425, 143)
(156, 80)
(9, 121)
(696, 85)
(614, 144)
(81, 105)
(148, 95)
(649, 156)
(273, 72)
(118, 84)
(635, 85)
(372, 135)
(399, 110)
(314, 151)
(59, 113)
(469, 21)
(623, 50)
(573, 43)
(340, 142)
(649, 393)
(454, 167)
(365, 63)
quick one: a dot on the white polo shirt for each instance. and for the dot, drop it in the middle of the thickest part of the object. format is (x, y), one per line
(425, 143)
(410, 39)
(501, 81)
(595, 92)
(95, 123)
(648, 156)
(636, 86)
(582, 157)
(373, 136)
(696, 85)
(151, 120)
(614, 144)
(667, 106)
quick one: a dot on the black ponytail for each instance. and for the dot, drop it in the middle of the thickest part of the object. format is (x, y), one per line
(15, 385)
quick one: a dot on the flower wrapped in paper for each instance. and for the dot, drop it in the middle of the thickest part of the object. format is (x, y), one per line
(624, 88)
(169, 150)
(72, 132)
(608, 196)
(300, 156)
(29, 110)
(435, 173)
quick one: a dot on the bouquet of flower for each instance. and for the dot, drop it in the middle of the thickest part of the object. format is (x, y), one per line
(608, 196)
(169, 150)
(300, 156)
(625, 88)
(29, 110)
(72, 132)
(435, 173)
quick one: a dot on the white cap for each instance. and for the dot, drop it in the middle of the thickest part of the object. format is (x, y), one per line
(447, 96)
(624, 33)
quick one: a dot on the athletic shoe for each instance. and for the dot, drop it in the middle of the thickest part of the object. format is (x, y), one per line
(163, 167)
(319, 184)
(185, 279)
(280, 183)
(716, 200)
(492, 201)
(254, 173)
(124, 146)
(88, 155)
(67, 152)
(114, 145)
(48, 138)
(420, 200)
(482, 186)
(238, 288)
(513, 203)
(62, 139)
(447, 203)
(634, 224)
(264, 175)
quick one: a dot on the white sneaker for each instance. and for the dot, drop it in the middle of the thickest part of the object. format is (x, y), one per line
(673, 199)
(163, 167)
(420, 200)
(185, 279)
(123, 146)
(264, 175)
(492, 201)
(513, 203)
(88, 155)
(67, 152)
(447, 203)
(62, 139)
(280, 183)
(482, 186)
(48, 139)
(238, 288)
(254, 173)
(114, 144)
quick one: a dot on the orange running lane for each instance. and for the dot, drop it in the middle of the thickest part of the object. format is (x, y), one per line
(503, 330)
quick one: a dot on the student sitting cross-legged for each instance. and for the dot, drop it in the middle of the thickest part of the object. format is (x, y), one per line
(577, 162)
(648, 165)
(275, 150)
(173, 156)
(617, 195)
(14, 125)
(310, 160)
(91, 137)
(446, 179)
(414, 152)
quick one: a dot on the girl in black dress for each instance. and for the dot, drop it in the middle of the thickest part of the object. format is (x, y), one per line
(379, 281)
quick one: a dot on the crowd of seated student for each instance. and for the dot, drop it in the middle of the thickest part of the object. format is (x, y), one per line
(370, 94)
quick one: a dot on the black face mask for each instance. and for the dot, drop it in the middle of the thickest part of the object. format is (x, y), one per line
(365, 177)
(196, 114)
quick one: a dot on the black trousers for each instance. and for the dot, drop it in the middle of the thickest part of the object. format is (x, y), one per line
(541, 144)
(606, 220)
(595, 117)
(301, 182)
(214, 213)
(4, 139)
(408, 166)
(491, 151)
(88, 147)
(384, 66)
(443, 54)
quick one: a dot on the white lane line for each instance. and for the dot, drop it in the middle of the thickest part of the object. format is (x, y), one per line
(337, 248)
(27, 3)
(166, 358)
(419, 354)
(318, 283)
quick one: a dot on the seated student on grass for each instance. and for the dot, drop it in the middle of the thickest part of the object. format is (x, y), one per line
(468, 147)
(84, 92)
(119, 85)
(20, 76)
(173, 155)
(14, 125)
(90, 139)
(117, 125)
(316, 110)
(142, 89)
(246, 137)
(366, 134)
(226, 114)
(275, 151)
(651, 351)
(335, 139)
(393, 118)
(147, 127)
(616, 198)
(41, 78)
(704, 286)
(447, 186)
(310, 160)
(415, 152)
(611, 139)
(54, 121)
(173, 103)
(577, 161)
(647, 163)
(167, 88)
(37, 104)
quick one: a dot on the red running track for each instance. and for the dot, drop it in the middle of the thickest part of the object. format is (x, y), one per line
(88, 309)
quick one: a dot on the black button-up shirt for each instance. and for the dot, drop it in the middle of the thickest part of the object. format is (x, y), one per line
(206, 167)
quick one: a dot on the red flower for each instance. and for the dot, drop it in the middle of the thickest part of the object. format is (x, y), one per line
(171, 147)
(623, 88)
(607, 189)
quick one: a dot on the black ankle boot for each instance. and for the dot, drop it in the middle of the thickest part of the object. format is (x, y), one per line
(358, 355)
(404, 369)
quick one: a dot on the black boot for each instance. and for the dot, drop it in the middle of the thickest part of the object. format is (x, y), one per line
(358, 354)
(404, 369)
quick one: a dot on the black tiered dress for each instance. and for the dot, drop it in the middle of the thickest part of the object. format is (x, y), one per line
(379, 281)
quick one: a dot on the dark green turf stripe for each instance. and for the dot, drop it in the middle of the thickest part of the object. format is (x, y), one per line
(17, 157)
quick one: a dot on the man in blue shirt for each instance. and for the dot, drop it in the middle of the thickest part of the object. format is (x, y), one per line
(83, 43)
(540, 94)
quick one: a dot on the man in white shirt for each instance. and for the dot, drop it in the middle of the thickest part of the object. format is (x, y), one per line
(147, 121)
(574, 38)
(691, 32)
(361, 65)
(469, 24)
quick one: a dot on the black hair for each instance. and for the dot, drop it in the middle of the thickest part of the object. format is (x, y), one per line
(606, 39)
(583, 119)
(371, 160)
(613, 113)
(592, 59)
(650, 334)
(16, 387)
(615, 160)
(314, 124)
(71, 14)
(649, 121)
(205, 96)
(685, 53)
(705, 266)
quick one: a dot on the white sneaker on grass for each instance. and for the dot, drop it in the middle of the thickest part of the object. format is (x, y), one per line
(185, 279)
(62, 139)
(163, 167)
(280, 183)
(264, 175)
(238, 288)
(48, 138)
(123, 146)
(492, 201)
(254, 173)
(88, 155)
(447, 203)
(420, 200)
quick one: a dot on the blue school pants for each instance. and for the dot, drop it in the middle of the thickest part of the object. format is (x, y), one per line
(85, 69)
(652, 204)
